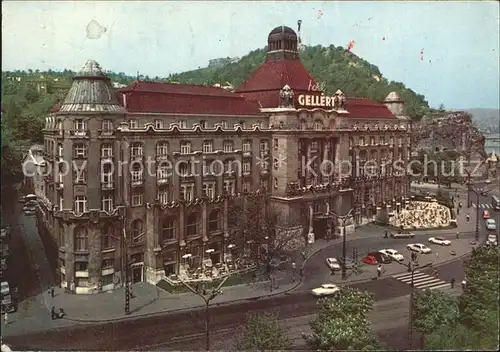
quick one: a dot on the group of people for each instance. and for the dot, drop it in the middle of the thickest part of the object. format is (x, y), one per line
(422, 215)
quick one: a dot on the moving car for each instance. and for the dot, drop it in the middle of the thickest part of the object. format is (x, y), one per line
(7, 305)
(492, 240)
(333, 263)
(402, 235)
(486, 214)
(487, 182)
(349, 263)
(325, 290)
(370, 260)
(491, 224)
(419, 248)
(440, 240)
(381, 257)
(392, 253)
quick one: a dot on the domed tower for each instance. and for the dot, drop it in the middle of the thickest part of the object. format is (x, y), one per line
(396, 105)
(282, 44)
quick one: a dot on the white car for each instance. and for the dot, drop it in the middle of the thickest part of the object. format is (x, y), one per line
(392, 253)
(487, 182)
(419, 248)
(333, 264)
(492, 240)
(491, 224)
(439, 240)
(325, 290)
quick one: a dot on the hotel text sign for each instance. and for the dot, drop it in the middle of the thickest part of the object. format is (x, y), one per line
(316, 100)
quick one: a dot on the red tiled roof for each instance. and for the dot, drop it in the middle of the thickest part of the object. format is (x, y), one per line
(274, 75)
(190, 104)
(367, 108)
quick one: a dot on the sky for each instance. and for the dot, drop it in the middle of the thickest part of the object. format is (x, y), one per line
(447, 51)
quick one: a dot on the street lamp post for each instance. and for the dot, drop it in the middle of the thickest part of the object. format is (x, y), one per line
(477, 193)
(207, 298)
(412, 264)
(343, 219)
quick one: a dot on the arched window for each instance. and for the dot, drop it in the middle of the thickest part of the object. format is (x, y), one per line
(214, 221)
(107, 233)
(137, 231)
(303, 124)
(81, 239)
(192, 225)
(318, 125)
(168, 229)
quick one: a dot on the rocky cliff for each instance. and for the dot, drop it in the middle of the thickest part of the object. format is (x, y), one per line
(449, 131)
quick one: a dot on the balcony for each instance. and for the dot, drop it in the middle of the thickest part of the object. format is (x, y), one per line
(62, 269)
(136, 157)
(107, 271)
(59, 186)
(162, 180)
(161, 157)
(107, 186)
(247, 153)
(137, 182)
(81, 274)
(264, 171)
(247, 173)
(79, 133)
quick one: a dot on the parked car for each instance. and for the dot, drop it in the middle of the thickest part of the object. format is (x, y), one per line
(402, 235)
(419, 248)
(325, 290)
(492, 240)
(491, 224)
(440, 240)
(381, 257)
(487, 181)
(486, 214)
(392, 253)
(333, 264)
(349, 263)
(370, 260)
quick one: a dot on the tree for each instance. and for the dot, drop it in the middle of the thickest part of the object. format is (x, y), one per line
(441, 108)
(342, 322)
(262, 332)
(432, 310)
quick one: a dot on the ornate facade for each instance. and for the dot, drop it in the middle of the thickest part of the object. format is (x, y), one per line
(152, 170)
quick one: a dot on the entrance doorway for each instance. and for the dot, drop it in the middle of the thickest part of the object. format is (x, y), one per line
(319, 227)
(137, 274)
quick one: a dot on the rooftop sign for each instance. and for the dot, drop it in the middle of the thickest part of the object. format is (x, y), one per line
(316, 100)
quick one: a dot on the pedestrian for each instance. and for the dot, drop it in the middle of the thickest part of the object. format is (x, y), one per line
(355, 269)
(53, 313)
(458, 234)
(379, 270)
(6, 318)
(452, 282)
(301, 272)
(464, 283)
(436, 275)
(386, 234)
(52, 292)
(294, 267)
(468, 217)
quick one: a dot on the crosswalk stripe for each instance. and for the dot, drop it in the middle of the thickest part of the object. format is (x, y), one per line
(430, 283)
(415, 279)
(422, 281)
(474, 205)
(440, 286)
(485, 206)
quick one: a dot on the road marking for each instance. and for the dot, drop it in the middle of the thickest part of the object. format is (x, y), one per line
(422, 281)
(474, 205)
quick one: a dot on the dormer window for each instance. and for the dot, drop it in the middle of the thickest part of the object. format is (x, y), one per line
(133, 124)
(318, 125)
(158, 124)
(107, 126)
(80, 127)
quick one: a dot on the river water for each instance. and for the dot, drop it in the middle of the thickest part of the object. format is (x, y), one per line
(492, 143)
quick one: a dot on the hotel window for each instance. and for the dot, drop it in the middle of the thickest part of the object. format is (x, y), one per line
(107, 238)
(400, 141)
(208, 146)
(228, 146)
(246, 186)
(223, 124)
(133, 124)
(80, 127)
(107, 174)
(106, 150)
(158, 124)
(80, 150)
(303, 124)
(314, 146)
(108, 263)
(137, 231)
(382, 140)
(185, 147)
(136, 173)
(107, 203)
(264, 146)
(318, 125)
(276, 163)
(136, 199)
(162, 172)
(136, 150)
(81, 245)
(276, 144)
(203, 124)
(161, 149)
(80, 204)
(184, 169)
(391, 140)
(107, 126)
(168, 229)
(209, 190)
(372, 140)
(80, 174)
(81, 266)
(229, 186)
(247, 145)
(163, 196)
(208, 167)
(247, 166)
(263, 184)
(182, 124)
(275, 182)
(361, 141)
(187, 192)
